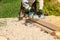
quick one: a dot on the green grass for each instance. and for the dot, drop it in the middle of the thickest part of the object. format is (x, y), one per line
(52, 7)
(10, 8)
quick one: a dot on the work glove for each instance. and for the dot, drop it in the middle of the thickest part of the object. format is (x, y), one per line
(39, 13)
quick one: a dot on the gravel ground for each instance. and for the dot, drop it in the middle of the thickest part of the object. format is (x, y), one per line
(16, 30)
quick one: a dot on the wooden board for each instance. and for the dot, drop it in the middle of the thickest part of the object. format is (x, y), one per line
(47, 24)
(48, 27)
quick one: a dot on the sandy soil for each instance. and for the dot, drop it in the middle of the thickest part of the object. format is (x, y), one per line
(53, 19)
(16, 30)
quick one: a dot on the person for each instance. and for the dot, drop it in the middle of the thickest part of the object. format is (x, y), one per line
(24, 9)
(30, 6)
(25, 4)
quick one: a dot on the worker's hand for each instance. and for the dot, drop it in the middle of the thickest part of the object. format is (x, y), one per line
(26, 6)
(29, 8)
(32, 9)
(39, 13)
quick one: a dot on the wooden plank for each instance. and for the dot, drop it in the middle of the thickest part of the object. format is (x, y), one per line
(43, 28)
(48, 25)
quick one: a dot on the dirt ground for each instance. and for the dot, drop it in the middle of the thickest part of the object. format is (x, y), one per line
(12, 29)
(53, 19)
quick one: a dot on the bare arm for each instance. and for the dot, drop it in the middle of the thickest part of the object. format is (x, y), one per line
(25, 4)
(41, 2)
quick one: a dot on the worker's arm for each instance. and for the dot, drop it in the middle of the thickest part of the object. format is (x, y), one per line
(40, 7)
(41, 2)
(25, 4)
